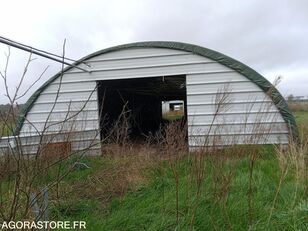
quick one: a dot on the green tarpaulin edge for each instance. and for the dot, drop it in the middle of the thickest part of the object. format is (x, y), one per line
(241, 68)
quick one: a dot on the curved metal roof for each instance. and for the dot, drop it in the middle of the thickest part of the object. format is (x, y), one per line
(241, 68)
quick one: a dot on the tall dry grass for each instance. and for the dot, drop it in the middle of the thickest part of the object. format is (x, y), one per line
(298, 105)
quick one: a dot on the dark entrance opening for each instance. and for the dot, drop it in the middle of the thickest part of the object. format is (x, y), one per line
(141, 98)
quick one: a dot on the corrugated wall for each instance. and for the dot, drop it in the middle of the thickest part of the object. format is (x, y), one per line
(245, 108)
(226, 108)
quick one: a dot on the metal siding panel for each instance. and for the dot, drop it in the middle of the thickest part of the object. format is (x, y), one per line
(232, 117)
(148, 61)
(71, 86)
(60, 116)
(240, 139)
(68, 96)
(73, 106)
(4, 143)
(186, 67)
(34, 138)
(246, 107)
(137, 52)
(191, 99)
(89, 109)
(249, 86)
(146, 72)
(215, 77)
(60, 126)
(229, 129)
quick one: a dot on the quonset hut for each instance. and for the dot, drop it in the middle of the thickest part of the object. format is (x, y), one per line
(225, 101)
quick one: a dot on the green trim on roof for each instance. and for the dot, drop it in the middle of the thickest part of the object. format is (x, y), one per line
(251, 74)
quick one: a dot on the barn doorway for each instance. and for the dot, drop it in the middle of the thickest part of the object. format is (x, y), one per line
(139, 101)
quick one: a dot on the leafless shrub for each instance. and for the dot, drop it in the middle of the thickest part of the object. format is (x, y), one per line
(117, 139)
(175, 148)
(30, 158)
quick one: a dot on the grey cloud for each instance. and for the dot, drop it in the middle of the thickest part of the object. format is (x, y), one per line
(269, 36)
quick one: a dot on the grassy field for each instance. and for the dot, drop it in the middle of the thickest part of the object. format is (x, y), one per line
(301, 118)
(246, 188)
(146, 199)
(139, 192)
(173, 115)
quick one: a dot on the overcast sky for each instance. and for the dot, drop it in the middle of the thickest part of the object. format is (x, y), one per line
(269, 36)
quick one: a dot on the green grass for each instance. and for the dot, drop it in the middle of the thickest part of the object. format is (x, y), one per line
(301, 117)
(152, 206)
(135, 193)
(173, 115)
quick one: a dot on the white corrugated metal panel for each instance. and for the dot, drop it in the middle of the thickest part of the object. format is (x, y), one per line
(5, 144)
(232, 86)
(150, 61)
(234, 117)
(78, 140)
(216, 77)
(57, 136)
(63, 105)
(51, 126)
(238, 128)
(63, 115)
(204, 79)
(79, 105)
(54, 87)
(232, 106)
(244, 112)
(146, 72)
(67, 96)
(221, 140)
(238, 96)
(137, 52)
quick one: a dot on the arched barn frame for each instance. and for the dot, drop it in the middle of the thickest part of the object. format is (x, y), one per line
(255, 111)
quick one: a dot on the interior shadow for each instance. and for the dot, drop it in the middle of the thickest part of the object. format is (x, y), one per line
(139, 100)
